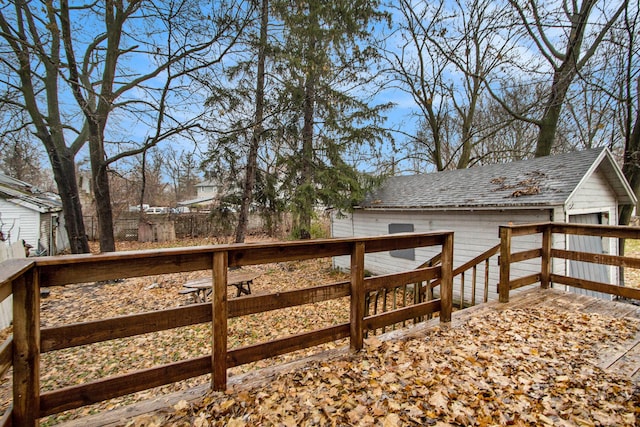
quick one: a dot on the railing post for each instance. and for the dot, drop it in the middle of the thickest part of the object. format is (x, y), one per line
(545, 267)
(446, 281)
(505, 263)
(219, 322)
(26, 349)
(357, 297)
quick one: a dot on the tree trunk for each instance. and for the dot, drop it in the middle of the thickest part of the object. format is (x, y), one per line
(101, 193)
(305, 207)
(549, 123)
(64, 173)
(252, 158)
(631, 168)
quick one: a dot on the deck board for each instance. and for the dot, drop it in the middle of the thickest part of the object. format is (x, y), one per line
(621, 358)
(618, 309)
(628, 365)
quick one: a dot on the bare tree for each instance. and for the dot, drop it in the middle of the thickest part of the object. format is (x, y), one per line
(443, 54)
(130, 62)
(566, 35)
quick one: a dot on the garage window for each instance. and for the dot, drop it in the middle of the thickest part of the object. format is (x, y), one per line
(409, 254)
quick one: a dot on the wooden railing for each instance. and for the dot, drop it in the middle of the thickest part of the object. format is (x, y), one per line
(547, 254)
(419, 292)
(25, 278)
(471, 267)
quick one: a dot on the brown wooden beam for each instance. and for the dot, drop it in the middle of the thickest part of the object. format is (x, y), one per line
(60, 337)
(85, 394)
(357, 297)
(219, 329)
(253, 353)
(619, 261)
(606, 288)
(371, 323)
(26, 349)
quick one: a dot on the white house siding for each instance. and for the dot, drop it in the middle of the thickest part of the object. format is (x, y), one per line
(593, 195)
(593, 202)
(25, 222)
(7, 251)
(474, 232)
(17, 223)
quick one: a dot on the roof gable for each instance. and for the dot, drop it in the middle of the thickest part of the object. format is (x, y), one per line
(543, 181)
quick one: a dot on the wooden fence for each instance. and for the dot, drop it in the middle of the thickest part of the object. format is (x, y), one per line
(548, 254)
(24, 278)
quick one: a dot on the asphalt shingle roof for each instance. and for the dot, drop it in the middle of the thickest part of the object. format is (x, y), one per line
(544, 181)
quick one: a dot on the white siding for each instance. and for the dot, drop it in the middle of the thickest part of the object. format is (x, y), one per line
(593, 195)
(25, 222)
(7, 251)
(17, 223)
(474, 232)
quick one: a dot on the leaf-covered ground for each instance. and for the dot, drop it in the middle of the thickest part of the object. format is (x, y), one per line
(92, 301)
(454, 376)
(524, 367)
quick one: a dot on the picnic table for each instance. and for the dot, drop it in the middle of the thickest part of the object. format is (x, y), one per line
(201, 288)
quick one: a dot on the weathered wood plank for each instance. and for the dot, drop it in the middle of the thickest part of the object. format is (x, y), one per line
(597, 286)
(357, 300)
(446, 279)
(13, 268)
(531, 298)
(115, 265)
(102, 267)
(26, 349)
(390, 281)
(545, 254)
(505, 263)
(596, 258)
(524, 281)
(526, 255)
(85, 394)
(262, 303)
(393, 242)
(10, 270)
(6, 356)
(570, 301)
(526, 229)
(253, 353)
(219, 322)
(629, 364)
(59, 337)
(615, 352)
(618, 310)
(381, 320)
(623, 232)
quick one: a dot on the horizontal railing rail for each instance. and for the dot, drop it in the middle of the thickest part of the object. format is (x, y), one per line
(547, 253)
(25, 279)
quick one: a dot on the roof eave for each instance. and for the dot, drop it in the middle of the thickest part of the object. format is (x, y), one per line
(464, 207)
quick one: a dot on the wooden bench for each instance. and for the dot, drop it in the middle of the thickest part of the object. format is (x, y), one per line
(201, 288)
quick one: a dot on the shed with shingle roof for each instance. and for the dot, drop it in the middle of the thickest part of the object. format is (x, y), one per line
(583, 186)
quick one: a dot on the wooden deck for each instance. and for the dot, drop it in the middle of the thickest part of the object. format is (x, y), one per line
(619, 357)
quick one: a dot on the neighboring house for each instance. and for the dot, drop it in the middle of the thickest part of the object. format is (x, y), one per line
(579, 187)
(32, 216)
(206, 195)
